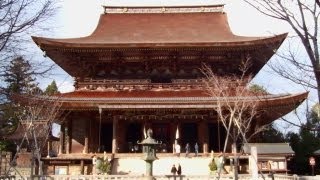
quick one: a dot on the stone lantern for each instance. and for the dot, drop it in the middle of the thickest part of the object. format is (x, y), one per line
(149, 152)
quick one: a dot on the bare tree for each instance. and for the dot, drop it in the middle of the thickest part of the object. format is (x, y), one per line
(18, 18)
(236, 107)
(36, 115)
(303, 17)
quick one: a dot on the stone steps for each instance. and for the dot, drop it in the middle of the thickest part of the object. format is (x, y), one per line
(162, 166)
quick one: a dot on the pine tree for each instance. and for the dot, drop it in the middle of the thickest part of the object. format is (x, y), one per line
(19, 77)
(52, 89)
(8, 119)
(19, 80)
(306, 142)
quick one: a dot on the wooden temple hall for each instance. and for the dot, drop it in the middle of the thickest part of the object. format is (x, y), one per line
(140, 69)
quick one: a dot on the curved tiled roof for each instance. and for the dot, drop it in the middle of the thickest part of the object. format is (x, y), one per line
(141, 27)
(161, 29)
(271, 106)
(204, 35)
(170, 96)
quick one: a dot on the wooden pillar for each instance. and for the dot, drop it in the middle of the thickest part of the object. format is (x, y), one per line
(68, 137)
(82, 167)
(86, 145)
(203, 136)
(61, 141)
(48, 148)
(114, 135)
(172, 135)
(86, 139)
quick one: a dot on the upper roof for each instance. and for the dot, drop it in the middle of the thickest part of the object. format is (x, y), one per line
(161, 27)
(190, 35)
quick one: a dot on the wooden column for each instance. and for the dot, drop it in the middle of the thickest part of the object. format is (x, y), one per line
(86, 138)
(68, 138)
(61, 141)
(203, 136)
(82, 167)
(48, 148)
(114, 135)
(172, 135)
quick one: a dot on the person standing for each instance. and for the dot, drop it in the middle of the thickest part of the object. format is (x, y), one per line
(196, 149)
(187, 149)
(174, 170)
(179, 170)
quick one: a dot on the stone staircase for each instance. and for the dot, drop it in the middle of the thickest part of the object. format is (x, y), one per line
(162, 166)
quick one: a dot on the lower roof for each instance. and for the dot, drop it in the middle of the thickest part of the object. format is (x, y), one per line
(272, 107)
(178, 96)
(268, 148)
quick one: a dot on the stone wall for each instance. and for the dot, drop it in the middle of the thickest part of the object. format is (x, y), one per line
(76, 169)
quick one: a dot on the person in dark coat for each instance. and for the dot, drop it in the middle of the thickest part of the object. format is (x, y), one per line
(174, 170)
(179, 170)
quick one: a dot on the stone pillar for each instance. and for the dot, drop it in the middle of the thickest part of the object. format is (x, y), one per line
(61, 140)
(114, 135)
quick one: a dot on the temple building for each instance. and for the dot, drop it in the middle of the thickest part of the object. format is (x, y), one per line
(140, 69)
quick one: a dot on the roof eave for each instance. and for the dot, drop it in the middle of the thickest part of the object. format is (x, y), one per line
(69, 43)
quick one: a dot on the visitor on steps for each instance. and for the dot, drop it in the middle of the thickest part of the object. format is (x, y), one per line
(187, 149)
(196, 149)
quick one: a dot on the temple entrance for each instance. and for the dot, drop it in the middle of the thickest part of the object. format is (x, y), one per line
(106, 137)
(217, 136)
(161, 132)
(189, 134)
(134, 134)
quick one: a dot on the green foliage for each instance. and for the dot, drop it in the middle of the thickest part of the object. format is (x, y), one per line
(315, 119)
(19, 77)
(52, 89)
(213, 165)
(7, 146)
(8, 119)
(304, 144)
(104, 166)
(270, 135)
(258, 89)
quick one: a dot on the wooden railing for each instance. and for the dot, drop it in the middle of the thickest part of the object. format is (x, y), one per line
(141, 84)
